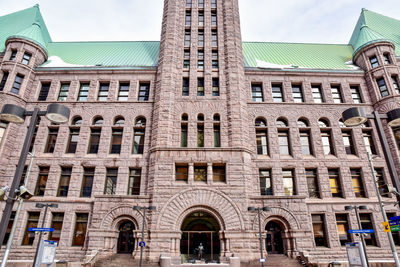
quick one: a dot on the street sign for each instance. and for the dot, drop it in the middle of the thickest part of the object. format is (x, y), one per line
(393, 223)
(395, 218)
(362, 231)
(386, 227)
(262, 260)
(41, 229)
(142, 244)
(395, 228)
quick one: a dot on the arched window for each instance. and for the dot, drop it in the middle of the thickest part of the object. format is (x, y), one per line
(77, 121)
(283, 137)
(98, 121)
(326, 136)
(119, 121)
(184, 130)
(217, 117)
(200, 130)
(260, 122)
(302, 123)
(200, 117)
(261, 136)
(139, 134)
(95, 133)
(323, 123)
(185, 117)
(341, 124)
(217, 130)
(281, 123)
(305, 137)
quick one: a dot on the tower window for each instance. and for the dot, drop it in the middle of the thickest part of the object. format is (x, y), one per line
(188, 18)
(395, 84)
(185, 87)
(17, 84)
(26, 58)
(382, 87)
(3, 80)
(200, 86)
(214, 38)
(201, 38)
(186, 59)
(215, 87)
(187, 38)
(215, 59)
(13, 55)
(386, 57)
(374, 62)
(200, 59)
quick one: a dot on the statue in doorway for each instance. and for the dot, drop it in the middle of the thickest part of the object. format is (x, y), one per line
(200, 251)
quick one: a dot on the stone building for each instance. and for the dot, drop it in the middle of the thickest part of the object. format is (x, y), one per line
(202, 126)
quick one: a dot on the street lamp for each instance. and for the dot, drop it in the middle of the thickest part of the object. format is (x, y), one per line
(138, 209)
(356, 208)
(14, 114)
(259, 229)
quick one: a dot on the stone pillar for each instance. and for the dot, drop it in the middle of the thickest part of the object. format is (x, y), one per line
(209, 173)
(191, 173)
(165, 261)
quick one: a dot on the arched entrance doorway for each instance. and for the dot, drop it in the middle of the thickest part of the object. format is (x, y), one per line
(126, 240)
(200, 238)
(274, 240)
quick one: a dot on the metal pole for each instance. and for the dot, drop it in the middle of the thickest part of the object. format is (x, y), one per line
(261, 241)
(40, 235)
(141, 247)
(361, 235)
(392, 246)
(17, 176)
(14, 226)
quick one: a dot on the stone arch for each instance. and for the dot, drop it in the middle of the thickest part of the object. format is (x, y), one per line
(208, 210)
(118, 214)
(282, 215)
(216, 202)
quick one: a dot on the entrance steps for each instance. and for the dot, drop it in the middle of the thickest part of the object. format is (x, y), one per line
(121, 260)
(275, 260)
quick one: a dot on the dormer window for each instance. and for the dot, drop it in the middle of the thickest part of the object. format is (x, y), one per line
(374, 62)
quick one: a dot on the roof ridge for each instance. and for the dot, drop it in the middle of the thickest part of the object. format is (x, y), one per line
(65, 42)
(293, 43)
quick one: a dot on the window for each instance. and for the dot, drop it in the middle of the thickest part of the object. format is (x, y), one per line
(219, 173)
(65, 178)
(343, 229)
(334, 181)
(26, 58)
(17, 84)
(369, 142)
(394, 79)
(87, 182)
(319, 230)
(366, 223)
(185, 87)
(74, 136)
(111, 181)
(33, 220)
(187, 38)
(201, 18)
(312, 183)
(186, 59)
(116, 137)
(355, 94)
(181, 172)
(201, 38)
(200, 135)
(336, 94)
(283, 137)
(214, 38)
(80, 229)
(56, 223)
(213, 18)
(261, 137)
(214, 62)
(188, 3)
(184, 134)
(374, 61)
(200, 173)
(144, 91)
(348, 143)
(357, 182)
(42, 180)
(386, 57)
(215, 87)
(382, 87)
(257, 92)
(200, 59)
(94, 140)
(201, 3)
(34, 135)
(200, 86)
(217, 135)
(63, 94)
(317, 93)
(9, 227)
(103, 91)
(297, 93)
(382, 186)
(13, 54)
(123, 92)
(265, 182)
(134, 181)
(3, 127)
(305, 138)
(327, 144)
(277, 94)
(288, 182)
(51, 140)
(3, 80)
(188, 18)
(139, 134)
(213, 3)
(83, 92)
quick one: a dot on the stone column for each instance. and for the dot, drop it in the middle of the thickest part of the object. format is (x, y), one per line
(209, 173)
(191, 173)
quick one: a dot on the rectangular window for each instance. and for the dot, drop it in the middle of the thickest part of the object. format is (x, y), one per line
(262, 141)
(348, 143)
(297, 93)
(305, 139)
(184, 135)
(336, 94)
(357, 182)
(34, 135)
(394, 79)
(217, 135)
(214, 62)
(56, 223)
(111, 181)
(265, 183)
(188, 18)
(213, 3)
(317, 94)
(103, 91)
(215, 87)
(312, 183)
(116, 140)
(334, 181)
(17, 84)
(200, 59)
(186, 59)
(382, 87)
(94, 140)
(327, 144)
(134, 181)
(369, 142)
(201, 3)
(87, 182)
(63, 94)
(187, 38)
(83, 92)
(42, 180)
(257, 92)
(3, 80)
(26, 58)
(3, 128)
(144, 91)
(374, 61)
(277, 94)
(288, 182)
(73, 140)
(51, 140)
(201, 18)
(355, 94)
(214, 38)
(283, 138)
(201, 38)
(200, 173)
(382, 186)
(9, 226)
(185, 87)
(319, 230)
(343, 229)
(138, 140)
(80, 229)
(200, 135)
(123, 92)
(386, 58)
(188, 3)
(33, 220)
(200, 86)
(366, 223)
(181, 172)
(13, 54)
(219, 173)
(64, 181)
(213, 18)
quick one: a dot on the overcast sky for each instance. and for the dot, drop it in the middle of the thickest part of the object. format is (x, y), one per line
(316, 21)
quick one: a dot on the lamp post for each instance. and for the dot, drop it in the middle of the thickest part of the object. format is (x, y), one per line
(45, 206)
(11, 113)
(259, 229)
(356, 208)
(138, 209)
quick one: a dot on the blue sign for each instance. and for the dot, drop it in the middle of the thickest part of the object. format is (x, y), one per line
(41, 229)
(362, 231)
(393, 223)
(395, 218)
(142, 244)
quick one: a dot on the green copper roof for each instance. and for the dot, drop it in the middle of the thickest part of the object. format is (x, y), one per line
(27, 23)
(373, 27)
(294, 55)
